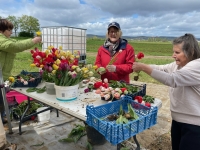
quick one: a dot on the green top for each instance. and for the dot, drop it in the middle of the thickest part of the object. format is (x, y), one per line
(8, 49)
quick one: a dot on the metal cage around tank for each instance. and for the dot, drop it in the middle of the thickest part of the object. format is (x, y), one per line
(70, 38)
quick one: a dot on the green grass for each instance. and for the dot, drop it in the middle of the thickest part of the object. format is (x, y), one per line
(24, 59)
(148, 48)
(158, 61)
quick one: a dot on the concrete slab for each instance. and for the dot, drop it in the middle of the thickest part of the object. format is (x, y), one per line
(49, 133)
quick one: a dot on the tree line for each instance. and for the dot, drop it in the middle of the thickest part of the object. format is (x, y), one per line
(26, 24)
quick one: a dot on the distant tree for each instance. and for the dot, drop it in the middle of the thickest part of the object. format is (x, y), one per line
(1, 17)
(29, 24)
(94, 37)
(15, 22)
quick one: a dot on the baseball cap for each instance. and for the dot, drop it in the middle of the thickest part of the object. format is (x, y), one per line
(114, 24)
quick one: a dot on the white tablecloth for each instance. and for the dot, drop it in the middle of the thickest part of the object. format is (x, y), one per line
(76, 108)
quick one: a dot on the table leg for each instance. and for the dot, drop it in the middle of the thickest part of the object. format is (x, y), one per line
(119, 146)
(57, 112)
(3, 93)
(22, 117)
(137, 143)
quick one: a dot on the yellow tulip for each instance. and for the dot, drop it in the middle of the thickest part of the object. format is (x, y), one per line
(89, 66)
(54, 71)
(47, 52)
(74, 67)
(57, 61)
(68, 53)
(11, 79)
(77, 56)
(62, 53)
(38, 33)
(63, 58)
(32, 65)
(78, 69)
(72, 57)
(85, 71)
(85, 75)
(60, 47)
(90, 73)
(95, 67)
(50, 47)
(76, 52)
(56, 52)
(55, 67)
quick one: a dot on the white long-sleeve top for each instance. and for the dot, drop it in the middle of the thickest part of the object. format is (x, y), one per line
(184, 89)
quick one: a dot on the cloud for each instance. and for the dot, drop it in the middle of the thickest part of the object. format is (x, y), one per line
(136, 18)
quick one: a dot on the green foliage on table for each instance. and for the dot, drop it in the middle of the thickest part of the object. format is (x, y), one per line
(35, 89)
(148, 98)
(130, 88)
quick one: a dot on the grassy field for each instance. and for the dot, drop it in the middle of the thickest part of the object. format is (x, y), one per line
(155, 53)
(148, 48)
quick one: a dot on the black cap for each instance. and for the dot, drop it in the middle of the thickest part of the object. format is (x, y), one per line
(114, 24)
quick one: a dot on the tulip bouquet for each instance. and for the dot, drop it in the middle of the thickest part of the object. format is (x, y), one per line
(61, 67)
(71, 74)
(114, 58)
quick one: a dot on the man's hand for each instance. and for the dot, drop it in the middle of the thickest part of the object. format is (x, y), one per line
(111, 68)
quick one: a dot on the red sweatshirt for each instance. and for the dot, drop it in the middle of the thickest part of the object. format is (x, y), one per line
(123, 63)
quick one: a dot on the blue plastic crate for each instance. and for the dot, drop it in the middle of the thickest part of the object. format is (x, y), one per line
(34, 83)
(117, 133)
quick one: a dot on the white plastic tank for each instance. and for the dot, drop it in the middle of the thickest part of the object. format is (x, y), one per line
(69, 38)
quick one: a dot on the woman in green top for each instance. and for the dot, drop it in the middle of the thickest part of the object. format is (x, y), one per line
(8, 49)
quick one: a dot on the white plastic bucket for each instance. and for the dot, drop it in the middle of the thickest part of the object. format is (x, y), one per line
(2, 135)
(44, 116)
(50, 88)
(66, 93)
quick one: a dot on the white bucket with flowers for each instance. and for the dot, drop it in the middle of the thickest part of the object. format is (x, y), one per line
(66, 93)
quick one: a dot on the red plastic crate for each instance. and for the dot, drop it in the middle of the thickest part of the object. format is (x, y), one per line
(11, 100)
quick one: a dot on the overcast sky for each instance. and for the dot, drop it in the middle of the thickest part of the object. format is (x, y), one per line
(136, 17)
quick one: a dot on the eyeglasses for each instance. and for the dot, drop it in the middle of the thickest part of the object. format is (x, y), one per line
(112, 32)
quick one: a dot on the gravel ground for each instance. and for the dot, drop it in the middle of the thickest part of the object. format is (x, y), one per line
(158, 136)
